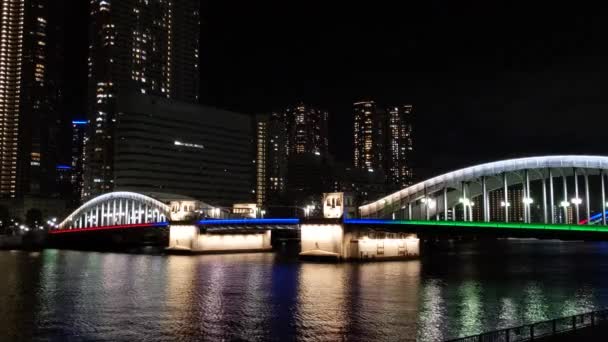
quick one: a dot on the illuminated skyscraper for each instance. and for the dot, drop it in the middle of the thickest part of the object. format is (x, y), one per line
(136, 46)
(306, 129)
(79, 137)
(383, 141)
(299, 130)
(399, 146)
(368, 136)
(30, 94)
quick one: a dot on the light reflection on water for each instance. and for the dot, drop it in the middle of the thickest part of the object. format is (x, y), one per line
(458, 290)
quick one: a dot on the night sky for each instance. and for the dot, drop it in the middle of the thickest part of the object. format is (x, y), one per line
(488, 79)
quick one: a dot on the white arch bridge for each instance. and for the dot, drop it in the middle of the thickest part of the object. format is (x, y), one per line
(123, 208)
(548, 189)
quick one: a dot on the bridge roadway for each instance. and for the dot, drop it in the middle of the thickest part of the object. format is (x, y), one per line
(334, 238)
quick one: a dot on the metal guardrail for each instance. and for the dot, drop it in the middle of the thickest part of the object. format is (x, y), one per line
(529, 332)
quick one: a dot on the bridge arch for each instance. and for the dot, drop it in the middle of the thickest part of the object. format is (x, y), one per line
(116, 208)
(434, 197)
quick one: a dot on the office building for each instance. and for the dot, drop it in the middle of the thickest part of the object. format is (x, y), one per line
(30, 64)
(145, 47)
(168, 146)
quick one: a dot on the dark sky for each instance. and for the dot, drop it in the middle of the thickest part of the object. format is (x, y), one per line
(488, 79)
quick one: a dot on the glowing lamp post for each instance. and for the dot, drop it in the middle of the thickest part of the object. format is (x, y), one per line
(565, 205)
(467, 206)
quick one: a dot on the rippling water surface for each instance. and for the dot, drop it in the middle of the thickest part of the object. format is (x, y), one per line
(454, 290)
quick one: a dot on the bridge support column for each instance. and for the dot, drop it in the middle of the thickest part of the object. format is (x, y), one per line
(544, 198)
(602, 177)
(527, 204)
(344, 242)
(188, 238)
(551, 196)
(576, 197)
(587, 197)
(506, 195)
(484, 190)
(464, 202)
(565, 202)
(409, 211)
(445, 203)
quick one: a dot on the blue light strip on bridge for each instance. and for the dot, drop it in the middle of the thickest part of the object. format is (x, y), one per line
(250, 221)
(594, 219)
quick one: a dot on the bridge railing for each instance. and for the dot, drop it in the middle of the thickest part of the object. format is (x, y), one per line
(529, 332)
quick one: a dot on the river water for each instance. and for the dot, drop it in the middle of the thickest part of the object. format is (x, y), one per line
(454, 290)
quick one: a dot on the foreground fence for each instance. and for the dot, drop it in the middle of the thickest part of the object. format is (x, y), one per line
(533, 331)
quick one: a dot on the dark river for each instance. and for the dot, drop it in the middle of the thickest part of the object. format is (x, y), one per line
(455, 290)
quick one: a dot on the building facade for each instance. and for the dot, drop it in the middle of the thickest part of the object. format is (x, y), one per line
(382, 141)
(145, 47)
(300, 130)
(306, 130)
(31, 63)
(163, 145)
(368, 135)
(77, 155)
(497, 204)
(399, 146)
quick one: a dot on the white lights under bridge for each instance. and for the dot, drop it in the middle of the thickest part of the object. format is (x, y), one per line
(566, 189)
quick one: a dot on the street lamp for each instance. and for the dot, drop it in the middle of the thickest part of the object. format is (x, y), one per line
(528, 200)
(505, 204)
(576, 201)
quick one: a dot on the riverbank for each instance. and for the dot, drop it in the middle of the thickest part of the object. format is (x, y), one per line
(32, 240)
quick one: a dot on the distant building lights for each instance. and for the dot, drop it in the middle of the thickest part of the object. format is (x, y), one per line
(179, 143)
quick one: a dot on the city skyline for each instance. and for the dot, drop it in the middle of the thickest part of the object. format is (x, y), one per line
(483, 83)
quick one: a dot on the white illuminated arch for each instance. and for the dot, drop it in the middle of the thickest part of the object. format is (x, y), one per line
(488, 169)
(160, 209)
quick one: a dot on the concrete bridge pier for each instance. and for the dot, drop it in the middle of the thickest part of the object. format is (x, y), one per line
(337, 241)
(188, 238)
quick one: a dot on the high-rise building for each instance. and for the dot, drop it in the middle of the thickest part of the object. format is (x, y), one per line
(148, 47)
(399, 146)
(497, 205)
(306, 130)
(383, 141)
(261, 157)
(298, 130)
(368, 136)
(30, 73)
(79, 137)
